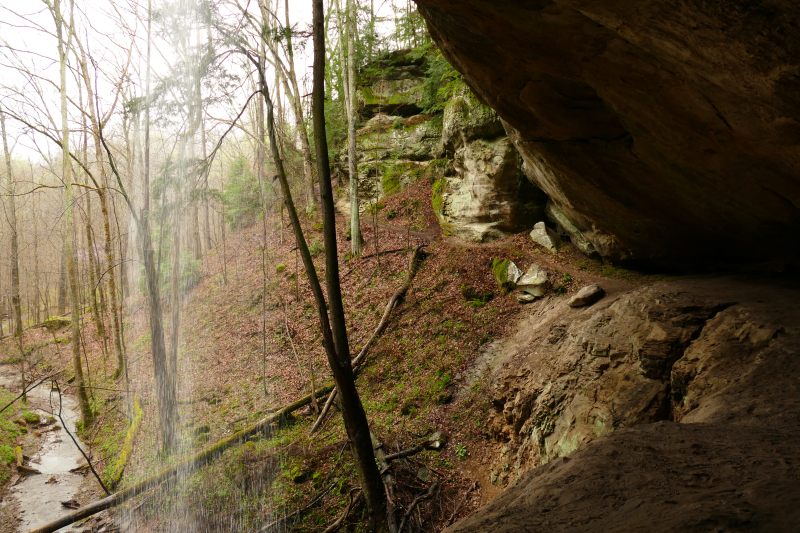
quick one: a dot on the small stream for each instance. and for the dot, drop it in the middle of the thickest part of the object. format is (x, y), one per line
(40, 495)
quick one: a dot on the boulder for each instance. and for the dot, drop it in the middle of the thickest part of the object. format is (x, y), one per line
(525, 298)
(506, 273)
(545, 237)
(560, 219)
(660, 128)
(534, 282)
(587, 296)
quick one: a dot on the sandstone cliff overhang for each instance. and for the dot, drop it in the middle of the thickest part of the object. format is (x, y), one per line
(661, 129)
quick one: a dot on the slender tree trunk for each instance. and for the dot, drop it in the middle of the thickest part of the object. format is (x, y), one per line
(61, 297)
(69, 252)
(355, 223)
(11, 212)
(295, 98)
(355, 418)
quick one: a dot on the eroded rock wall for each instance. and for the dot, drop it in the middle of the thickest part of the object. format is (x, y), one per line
(480, 191)
(663, 408)
(660, 128)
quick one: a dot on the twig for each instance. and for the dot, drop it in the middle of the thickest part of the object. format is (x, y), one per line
(425, 496)
(9, 404)
(338, 523)
(405, 453)
(460, 505)
(64, 425)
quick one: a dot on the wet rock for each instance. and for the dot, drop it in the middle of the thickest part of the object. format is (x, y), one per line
(506, 273)
(545, 237)
(587, 296)
(534, 282)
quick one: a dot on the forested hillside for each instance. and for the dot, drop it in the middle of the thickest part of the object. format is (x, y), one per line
(321, 266)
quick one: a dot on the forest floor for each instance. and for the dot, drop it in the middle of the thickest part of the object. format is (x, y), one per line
(249, 341)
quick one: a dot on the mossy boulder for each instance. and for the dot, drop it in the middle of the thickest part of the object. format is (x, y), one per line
(55, 323)
(506, 273)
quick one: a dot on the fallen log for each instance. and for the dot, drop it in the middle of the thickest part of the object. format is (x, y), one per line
(127, 446)
(184, 467)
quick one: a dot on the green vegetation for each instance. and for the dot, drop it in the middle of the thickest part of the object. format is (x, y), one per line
(241, 194)
(9, 433)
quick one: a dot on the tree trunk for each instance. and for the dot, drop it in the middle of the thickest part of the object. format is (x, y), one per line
(355, 418)
(16, 306)
(355, 224)
(69, 252)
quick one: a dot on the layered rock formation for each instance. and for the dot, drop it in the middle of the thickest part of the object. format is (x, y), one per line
(665, 408)
(480, 192)
(658, 128)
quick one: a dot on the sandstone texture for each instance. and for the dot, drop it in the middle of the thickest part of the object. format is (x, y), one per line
(658, 128)
(672, 407)
(480, 190)
(586, 296)
(488, 196)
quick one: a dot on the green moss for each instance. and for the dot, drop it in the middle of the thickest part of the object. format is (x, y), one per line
(30, 417)
(438, 196)
(500, 272)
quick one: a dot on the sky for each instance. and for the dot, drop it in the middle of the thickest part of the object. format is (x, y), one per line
(27, 41)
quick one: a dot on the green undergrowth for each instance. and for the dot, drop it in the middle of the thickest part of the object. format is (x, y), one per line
(9, 434)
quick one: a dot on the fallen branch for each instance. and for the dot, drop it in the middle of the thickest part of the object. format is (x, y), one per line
(394, 301)
(75, 442)
(184, 467)
(388, 484)
(424, 496)
(24, 391)
(460, 505)
(339, 521)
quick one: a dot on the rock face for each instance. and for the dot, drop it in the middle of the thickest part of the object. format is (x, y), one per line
(647, 411)
(487, 197)
(392, 84)
(480, 191)
(659, 128)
